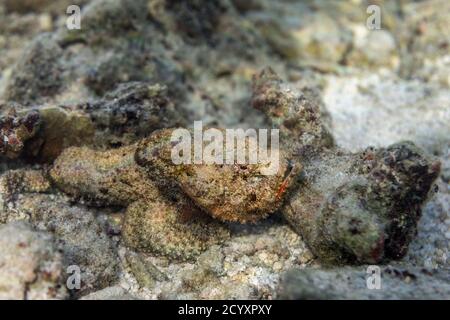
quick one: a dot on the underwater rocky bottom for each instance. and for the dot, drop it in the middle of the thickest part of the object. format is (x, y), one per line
(94, 207)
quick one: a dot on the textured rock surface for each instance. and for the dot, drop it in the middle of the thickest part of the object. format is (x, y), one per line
(245, 266)
(397, 282)
(81, 239)
(30, 265)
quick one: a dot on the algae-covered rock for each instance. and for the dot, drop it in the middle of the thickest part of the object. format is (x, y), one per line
(39, 61)
(130, 112)
(35, 135)
(362, 208)
(398, 282)
(16, 130)
(424, 41)
(317, 39)
(143, 271)
(78, 130)
(121, 117)
(295, 114)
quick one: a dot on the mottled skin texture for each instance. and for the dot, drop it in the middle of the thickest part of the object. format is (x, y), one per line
(349, 208)
(237, 193)
(174, 229)
(167, 224)
(17, 181)
(105, 177)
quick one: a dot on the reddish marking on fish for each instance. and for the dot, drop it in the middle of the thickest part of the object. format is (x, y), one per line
(284, 185)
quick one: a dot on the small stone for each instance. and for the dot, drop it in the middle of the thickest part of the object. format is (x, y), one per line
(228, 192)
(212, 260)
(16, 130)
(31, 268)
(145, 273)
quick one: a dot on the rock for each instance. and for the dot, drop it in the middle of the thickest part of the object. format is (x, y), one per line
(16, 130)
(124, 115)
(386, 109)
(424, 41)
(358, 207)
(212, 260)
(372, 48)
(29, 6)
(78, 130)
(297, 115)
(110, 293)
(247, 266)
(431, 247)
(143, 271)
(15, 182)
(31, 268)
(397, 282)
(37, 75)
(315, 39)
(77, 233)
(131, 111)
(79, 236)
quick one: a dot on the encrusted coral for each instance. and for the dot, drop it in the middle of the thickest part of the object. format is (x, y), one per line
(176, 229)
(15, 130)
